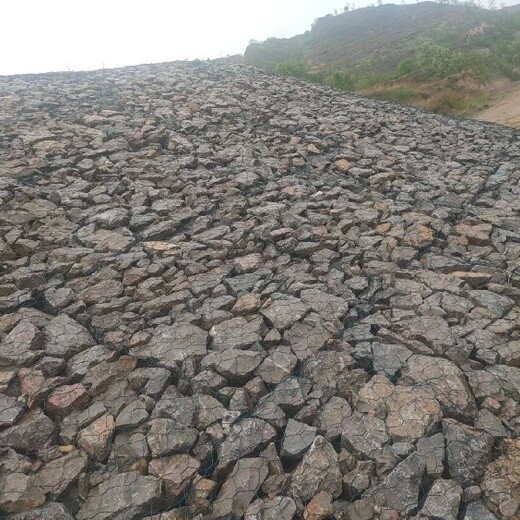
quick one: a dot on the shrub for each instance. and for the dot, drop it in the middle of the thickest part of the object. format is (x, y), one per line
(341, 80)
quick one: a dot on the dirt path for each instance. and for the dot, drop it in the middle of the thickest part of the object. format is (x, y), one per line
(505, 110)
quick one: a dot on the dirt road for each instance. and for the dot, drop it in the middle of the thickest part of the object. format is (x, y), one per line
(505, 110)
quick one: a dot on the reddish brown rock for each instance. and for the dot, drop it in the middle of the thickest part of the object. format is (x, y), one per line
(65, 399)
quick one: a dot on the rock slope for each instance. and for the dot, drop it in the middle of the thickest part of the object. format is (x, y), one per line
(226, 294)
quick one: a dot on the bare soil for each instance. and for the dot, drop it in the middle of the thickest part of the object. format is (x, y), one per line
(505, 109)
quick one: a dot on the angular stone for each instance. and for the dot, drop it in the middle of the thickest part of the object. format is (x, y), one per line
(332, 417)
(278, 365)
(167, 436)
(66, 337)
(433, 331)
(412, 413)
(132, 415)
(332, 373)
(318, 471)
(10, 410)
(319, 508)
(234, 365)
(306, 340)
(79, 365)
(18, 493)
(65, 399)
(128, 451)
(418, 236)
(126, 495)
(501, 484)
(170, 345)
(364, 435)
(326, 305)
(21, 345)
(176, 473)
(443, 500)
(297, 438)
(32, 432)
(50, 511)
(388, 359)
(245, 437)
(278, 508)
(468, 451)
(504, 378)
(446, 381)
(496, 304)
(95, 439)
(283, 313)
(58, 475)
(236, 333)
(400, 489)
(477, 511)
(240, 488)
(289, 395)
(431, 451)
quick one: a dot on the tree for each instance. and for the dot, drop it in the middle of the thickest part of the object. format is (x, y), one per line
(379, 3)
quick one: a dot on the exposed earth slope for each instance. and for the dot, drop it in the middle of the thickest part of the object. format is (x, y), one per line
(504, 110)
(226, 294)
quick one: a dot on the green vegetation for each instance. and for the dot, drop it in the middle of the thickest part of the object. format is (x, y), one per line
(445, 68)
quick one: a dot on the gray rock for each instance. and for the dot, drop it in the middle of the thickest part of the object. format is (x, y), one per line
(468, 451)
(66, 337)
(364, 435)
(332, 418)
(325, 304)
(167, 436)
(236, 333)
(31, 433)
(496, 304)
(18, 493)
(306, 340)
(21, 345)
(240, 488)
(412, 413)
(506, 379)
(297, 438)
(400, 489)
(443, 500)
(58, 475)
(51, 511)
(446, 381)
(489, 423)
(278, 508)
(477, 511)
(132, 415)
(234, 365)
(318, 471)
(126, 495)
(431, 451)
(170, 345)
(127, 450)
(176, 473)
(10, 410)
(290, 395)
(278, 365)
(245, 437)
(283, 313)
(388, 359)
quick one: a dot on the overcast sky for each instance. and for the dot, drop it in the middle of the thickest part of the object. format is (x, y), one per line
(51, 35)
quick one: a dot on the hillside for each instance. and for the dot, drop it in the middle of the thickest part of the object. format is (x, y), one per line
(226, 294)
(432, 55)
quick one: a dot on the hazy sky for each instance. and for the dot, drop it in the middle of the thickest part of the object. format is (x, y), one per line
(50, 35)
